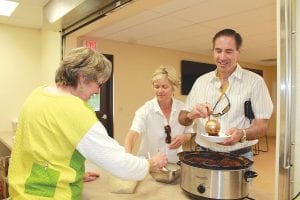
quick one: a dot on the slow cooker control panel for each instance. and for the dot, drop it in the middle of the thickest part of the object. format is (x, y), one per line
(201, 188)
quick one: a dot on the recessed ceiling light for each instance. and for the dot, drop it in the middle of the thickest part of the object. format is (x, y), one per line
(7, 7)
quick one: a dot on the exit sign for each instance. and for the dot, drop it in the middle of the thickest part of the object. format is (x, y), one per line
(90, 44)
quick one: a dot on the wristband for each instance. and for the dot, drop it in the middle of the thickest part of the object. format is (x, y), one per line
(244, 137)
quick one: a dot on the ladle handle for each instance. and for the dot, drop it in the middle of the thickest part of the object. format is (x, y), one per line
(208, 113)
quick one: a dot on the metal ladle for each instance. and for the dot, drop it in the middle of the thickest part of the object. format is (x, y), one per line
(212, 127)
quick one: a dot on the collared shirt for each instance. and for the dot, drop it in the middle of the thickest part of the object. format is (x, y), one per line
(244, 85)
(149, 122)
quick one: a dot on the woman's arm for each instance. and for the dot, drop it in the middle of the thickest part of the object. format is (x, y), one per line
(107, 153)
(130, 140)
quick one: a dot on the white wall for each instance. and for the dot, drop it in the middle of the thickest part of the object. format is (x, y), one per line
(51, 55)
(20, 67)
(29, 57)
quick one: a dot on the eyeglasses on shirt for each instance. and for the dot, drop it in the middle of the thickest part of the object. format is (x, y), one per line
(168, 132)
(224, 111)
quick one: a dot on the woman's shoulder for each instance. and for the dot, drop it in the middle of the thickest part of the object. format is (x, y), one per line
(178, 102)
(149, 103)
(147, 106)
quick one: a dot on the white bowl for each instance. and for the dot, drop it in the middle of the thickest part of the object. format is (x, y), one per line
(217, 139)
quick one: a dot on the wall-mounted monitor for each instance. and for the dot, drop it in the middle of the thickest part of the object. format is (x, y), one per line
(190, 71)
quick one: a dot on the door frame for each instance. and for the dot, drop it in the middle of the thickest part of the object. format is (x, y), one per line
(286, 99)
(105, 115)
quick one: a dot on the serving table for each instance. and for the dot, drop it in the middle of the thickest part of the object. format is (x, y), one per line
(148, 189)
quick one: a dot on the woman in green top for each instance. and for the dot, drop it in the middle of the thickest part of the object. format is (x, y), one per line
(58, 130)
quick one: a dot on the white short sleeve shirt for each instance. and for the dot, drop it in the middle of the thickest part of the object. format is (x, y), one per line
(243, 85)
(149, 122)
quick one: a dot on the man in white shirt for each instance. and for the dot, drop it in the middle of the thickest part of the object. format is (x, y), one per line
(222, 93)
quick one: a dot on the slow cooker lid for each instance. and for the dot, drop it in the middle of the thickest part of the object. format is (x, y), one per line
(214, 160)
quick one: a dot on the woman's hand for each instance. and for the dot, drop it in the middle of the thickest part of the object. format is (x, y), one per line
(158, 161)
(179, 140)
(90, 176)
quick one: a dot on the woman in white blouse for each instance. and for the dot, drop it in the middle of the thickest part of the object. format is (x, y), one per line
(156, 122)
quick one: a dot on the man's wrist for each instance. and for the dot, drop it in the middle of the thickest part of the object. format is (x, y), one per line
(244, 136)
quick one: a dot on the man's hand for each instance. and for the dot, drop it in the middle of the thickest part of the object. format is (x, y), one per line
(235, 136)
(200, 111)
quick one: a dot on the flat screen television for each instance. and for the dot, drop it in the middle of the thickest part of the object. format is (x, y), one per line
(190, 71)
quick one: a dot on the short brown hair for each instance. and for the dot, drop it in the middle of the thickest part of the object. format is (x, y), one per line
(231, 33)
(82, 61)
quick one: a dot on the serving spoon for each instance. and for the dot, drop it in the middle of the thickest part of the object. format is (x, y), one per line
(212, 127)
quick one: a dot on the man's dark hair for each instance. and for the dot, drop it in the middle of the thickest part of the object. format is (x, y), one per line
(230, 33)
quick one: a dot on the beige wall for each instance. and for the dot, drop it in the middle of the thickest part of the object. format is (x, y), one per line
(20, 69)
(51, 55)
(29, 58)
(133, 68)
(270, 77)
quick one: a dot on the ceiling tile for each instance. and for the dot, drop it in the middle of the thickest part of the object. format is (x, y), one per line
(175, 5)
(216, 9)
(126, 23)
(190, 31)
(148, 28)
(247, 18)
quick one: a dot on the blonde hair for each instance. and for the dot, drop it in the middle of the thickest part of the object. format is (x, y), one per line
(168, 72)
